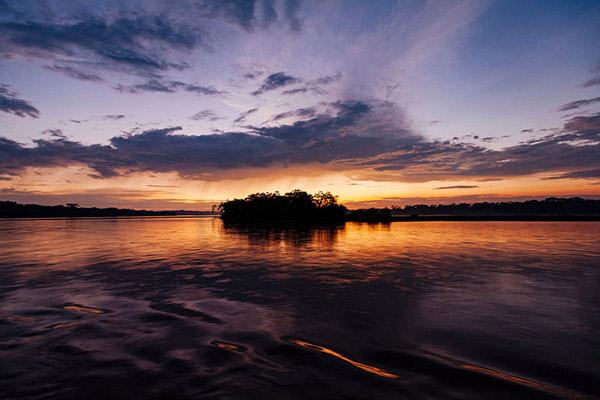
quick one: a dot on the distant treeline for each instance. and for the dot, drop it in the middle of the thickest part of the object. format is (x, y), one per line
(549, 206)
(299, 206)
(295, 206)
(10, 209)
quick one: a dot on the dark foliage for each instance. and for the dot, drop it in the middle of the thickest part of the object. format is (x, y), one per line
(370, 215)
(10, 209)
(549, 206)
(295, 206)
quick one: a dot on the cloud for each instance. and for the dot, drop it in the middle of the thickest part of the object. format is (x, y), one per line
(250, 14)
(529, 130)
(588, 125)
(75, 73)
(575, 147)
(54, 133)
(594, 81)
(578, 104)
(10, 103)
(584, 174)
(130, 42)
(276, 81)
(208, 115)
(321, 139)
(114, 117)
(314, 86)
(591, 82)
(366, 140)
(168, 86)
(457, 187)
(242, 117)
(305, 112)
(136, 37)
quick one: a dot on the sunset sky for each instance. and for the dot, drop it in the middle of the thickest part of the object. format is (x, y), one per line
(185, 103)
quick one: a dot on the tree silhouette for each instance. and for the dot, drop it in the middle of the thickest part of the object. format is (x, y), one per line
(294, 206)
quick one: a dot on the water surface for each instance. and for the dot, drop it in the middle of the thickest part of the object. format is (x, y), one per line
(184, 308)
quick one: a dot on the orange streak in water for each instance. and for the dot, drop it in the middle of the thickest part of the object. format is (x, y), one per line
(512, 378)
(523, 381)
(85, 309)
(364, 367)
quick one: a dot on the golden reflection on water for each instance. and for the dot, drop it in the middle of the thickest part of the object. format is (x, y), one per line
(229, 346)
(365, 367)
(505, 376)
(84, 309)
(70, 243)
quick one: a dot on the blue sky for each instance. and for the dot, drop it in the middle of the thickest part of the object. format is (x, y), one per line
(382, 99)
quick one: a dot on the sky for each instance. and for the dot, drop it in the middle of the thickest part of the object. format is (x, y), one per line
(182, 104)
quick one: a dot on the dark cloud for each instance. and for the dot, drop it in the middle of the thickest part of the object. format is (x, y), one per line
(168, 86)
(55, 133)
(314, 86)
(136, 37)
(162, 186)
(584, 174)
(132, 42)
(321, 139)
(306, 112)
(457, 187)
(529, 130)
(591, 82)
(575, 147)
(250, 14)
(578, 104)
(114, 117)
(10, 103)
(291, 12)
(491, 139)
(242, 117)
(75, 73)
(295, 91)
(207, 115)
(362, 138)
(594, 81)
(276, 81)
(584, 126)
(253, 74)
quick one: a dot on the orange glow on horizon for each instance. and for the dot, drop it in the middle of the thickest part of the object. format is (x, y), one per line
(156, 191)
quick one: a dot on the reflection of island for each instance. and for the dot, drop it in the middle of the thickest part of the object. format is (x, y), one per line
(295, 236)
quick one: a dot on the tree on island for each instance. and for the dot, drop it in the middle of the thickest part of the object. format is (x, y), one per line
(296, 206)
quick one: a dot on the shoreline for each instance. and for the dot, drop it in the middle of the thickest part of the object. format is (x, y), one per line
(394, 218)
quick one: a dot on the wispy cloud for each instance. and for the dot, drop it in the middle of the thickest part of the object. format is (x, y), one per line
(10, 103)
(275, 81)
(168, 86)
(207, 115)
(242, 117)
(75, 73)
(574, 105)
(457, 187)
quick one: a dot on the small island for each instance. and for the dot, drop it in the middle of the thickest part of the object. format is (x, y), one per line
(296, 206)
